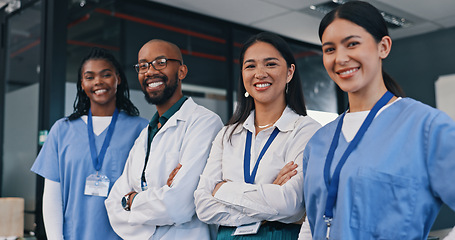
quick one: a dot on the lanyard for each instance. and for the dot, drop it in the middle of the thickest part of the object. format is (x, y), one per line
(333, 185)
(149, 142)
(246, 159)
(98, 160)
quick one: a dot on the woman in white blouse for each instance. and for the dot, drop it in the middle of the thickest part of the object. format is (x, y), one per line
(252, 185)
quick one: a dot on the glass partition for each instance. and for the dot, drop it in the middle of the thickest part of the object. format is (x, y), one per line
(20, 140)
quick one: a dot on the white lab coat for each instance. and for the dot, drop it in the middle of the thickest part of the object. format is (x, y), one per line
(164, 212)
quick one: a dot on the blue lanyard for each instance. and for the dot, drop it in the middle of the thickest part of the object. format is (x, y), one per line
(98, 160)
(246, 159)
(332, 186)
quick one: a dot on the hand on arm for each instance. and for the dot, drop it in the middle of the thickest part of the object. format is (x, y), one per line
(286, 173)
(129, 203)
(174, 204)
(172, 175)
(168, 182)
(279, 200)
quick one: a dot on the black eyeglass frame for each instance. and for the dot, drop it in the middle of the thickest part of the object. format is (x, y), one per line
(152, 63)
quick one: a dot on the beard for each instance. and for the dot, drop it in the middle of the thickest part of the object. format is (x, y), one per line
(167, 92)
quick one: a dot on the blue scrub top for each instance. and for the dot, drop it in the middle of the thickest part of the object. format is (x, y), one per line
(393, 184)
(65, 158)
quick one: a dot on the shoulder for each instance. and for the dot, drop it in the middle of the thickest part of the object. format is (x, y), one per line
(123, 116)
(325, 131)
(301, 124)
(193, 111)
(63, 127)
(63, 123)
(411, 105)
(308, 123)
(233, 129)
(408, 109)
(304, 129)
(430, 117)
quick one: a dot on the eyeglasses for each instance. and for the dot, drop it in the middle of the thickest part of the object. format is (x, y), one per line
(157, 64)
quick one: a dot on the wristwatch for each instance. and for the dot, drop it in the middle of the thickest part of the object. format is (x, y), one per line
(126, 201)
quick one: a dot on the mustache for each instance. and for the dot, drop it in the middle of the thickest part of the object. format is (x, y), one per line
(163, 77)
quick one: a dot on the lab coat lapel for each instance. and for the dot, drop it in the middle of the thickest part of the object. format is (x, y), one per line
(183, 114)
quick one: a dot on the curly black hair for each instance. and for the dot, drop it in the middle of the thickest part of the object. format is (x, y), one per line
(82, 102)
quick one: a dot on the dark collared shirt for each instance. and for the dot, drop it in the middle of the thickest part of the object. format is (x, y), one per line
(153, 124)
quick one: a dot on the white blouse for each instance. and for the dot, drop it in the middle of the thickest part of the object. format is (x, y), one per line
(236, 202)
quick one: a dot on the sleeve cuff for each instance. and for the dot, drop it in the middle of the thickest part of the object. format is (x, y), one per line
(232, 192)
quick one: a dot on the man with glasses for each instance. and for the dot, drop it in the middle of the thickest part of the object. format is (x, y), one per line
(153, 198)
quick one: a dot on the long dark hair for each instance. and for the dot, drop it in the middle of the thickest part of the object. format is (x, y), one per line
(294, 97)
(122, 102)
(368, 17)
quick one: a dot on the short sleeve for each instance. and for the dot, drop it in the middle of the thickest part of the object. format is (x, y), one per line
(47, 163)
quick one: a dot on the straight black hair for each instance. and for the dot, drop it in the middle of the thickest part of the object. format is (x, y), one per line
(294, 97)
(82, 102)
(368, 17)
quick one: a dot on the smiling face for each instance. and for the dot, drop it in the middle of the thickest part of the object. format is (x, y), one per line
(353, 58)
(265, 74)
(99, 82)
(159, 86)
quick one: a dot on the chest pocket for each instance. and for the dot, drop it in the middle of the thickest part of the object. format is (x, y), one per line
(115, 162)
(383, 203)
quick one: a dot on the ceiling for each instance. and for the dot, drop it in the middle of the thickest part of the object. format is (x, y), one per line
(290, 18)
(293, 19)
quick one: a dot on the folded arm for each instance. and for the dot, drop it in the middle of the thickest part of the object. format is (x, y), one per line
(168, 204)
(220, 201)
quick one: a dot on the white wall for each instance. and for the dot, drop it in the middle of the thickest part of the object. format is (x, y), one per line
(445, 94)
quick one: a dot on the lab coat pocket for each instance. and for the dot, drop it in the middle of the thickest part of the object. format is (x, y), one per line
(383, 203)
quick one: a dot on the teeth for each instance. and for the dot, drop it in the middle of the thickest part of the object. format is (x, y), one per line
(100, 91)
(263, 85)
(349, 71)
(155, 84)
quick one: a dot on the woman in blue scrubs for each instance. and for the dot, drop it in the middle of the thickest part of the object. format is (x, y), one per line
(383, 168)
(85, 153)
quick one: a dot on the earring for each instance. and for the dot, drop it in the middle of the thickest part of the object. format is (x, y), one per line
(247, 94)
(287, 86)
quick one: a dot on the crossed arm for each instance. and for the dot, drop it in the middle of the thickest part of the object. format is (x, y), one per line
(285, 174)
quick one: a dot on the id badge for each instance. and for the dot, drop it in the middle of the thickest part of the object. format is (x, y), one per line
(247, 229)
(97, 185)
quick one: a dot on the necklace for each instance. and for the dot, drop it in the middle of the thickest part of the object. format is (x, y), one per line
(264, 126)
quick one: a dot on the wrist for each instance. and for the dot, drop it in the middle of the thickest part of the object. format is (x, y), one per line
(127, 200)
(132, 196)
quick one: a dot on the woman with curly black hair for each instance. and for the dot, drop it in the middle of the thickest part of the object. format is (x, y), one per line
(85, 153)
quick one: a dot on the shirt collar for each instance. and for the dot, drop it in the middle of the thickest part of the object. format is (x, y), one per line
(285, 123)
(168, 114)
(287, 120)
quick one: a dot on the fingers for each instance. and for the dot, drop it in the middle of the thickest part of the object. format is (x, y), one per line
(286, 173)
(172, 175)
